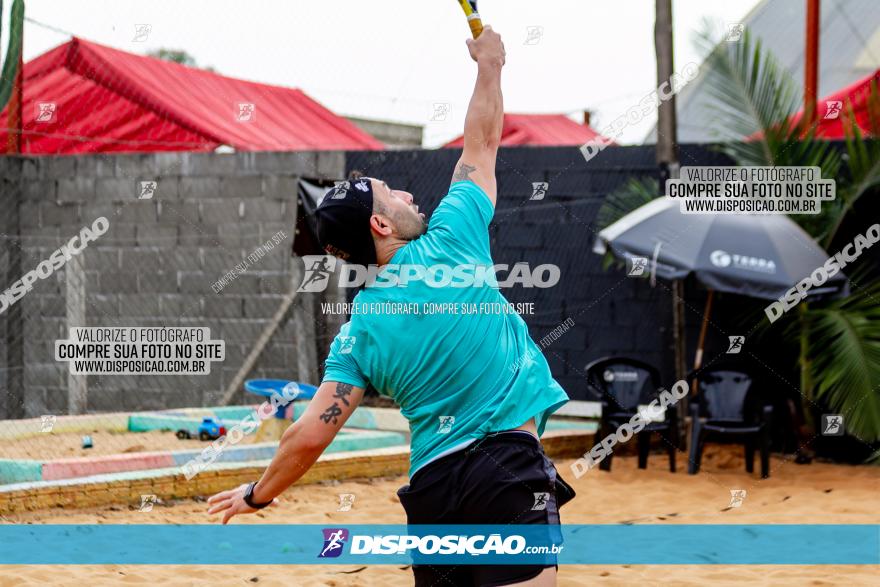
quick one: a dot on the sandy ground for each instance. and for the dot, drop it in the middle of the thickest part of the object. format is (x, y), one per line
(817, 493)
(66, 445)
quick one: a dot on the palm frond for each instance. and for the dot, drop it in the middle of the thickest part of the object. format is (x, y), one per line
(863, 164)
(754, 99)
(633, 194)
(844, 338)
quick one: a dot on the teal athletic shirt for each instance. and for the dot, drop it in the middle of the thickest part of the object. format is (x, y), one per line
(479, 368)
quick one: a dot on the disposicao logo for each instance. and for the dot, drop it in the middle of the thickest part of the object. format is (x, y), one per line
(334, 542)
(320, 268)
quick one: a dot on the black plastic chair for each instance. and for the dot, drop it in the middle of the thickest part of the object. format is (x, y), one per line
(728, 405)
(622, 384)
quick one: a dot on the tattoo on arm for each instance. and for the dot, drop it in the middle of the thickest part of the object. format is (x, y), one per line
(463, 172)
(343, 390)
(331, 414)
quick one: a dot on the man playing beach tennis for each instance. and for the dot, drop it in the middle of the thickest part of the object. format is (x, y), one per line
(474, 387)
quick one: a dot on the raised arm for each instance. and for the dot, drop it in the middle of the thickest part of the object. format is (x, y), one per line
(301, 445)
(485, 115)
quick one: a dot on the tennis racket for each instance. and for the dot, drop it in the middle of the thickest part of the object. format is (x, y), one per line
(470, 11)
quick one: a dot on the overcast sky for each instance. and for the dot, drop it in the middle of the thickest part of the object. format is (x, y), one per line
(395, 60)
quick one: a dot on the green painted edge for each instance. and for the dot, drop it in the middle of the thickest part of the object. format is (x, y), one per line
(20, 470)
(341, 445)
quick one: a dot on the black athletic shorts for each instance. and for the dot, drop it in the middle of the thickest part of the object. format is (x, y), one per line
(492, 481)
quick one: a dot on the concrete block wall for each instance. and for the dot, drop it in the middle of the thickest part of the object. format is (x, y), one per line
(157, 263)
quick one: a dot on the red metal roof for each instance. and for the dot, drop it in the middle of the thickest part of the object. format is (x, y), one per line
(108, 100)
(856, 96)
(548, 130)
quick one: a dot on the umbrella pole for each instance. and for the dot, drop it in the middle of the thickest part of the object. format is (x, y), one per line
(678, 333)
(698, 356)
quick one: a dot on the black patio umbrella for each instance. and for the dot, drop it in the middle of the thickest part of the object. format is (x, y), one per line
(761, 256)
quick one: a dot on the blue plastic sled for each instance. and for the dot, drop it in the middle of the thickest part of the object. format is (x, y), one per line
(267, 387)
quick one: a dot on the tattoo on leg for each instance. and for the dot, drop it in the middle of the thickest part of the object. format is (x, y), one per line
(463, 172)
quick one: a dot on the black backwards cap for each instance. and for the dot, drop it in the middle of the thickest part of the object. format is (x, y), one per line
(344, 221)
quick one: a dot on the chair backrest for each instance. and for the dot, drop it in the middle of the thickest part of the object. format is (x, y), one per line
(725, 394)
(622, 382)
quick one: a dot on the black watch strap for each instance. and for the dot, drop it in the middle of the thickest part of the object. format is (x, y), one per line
(249, 497)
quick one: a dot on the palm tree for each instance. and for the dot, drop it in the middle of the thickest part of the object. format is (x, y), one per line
(754, 100)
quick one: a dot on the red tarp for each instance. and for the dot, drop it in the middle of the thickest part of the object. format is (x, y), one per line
(109, 100)
(547, 130)
(855, 97)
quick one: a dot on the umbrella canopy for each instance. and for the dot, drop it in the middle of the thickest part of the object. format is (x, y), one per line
(762, 256)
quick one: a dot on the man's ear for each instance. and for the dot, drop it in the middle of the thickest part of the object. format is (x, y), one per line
(380, 225)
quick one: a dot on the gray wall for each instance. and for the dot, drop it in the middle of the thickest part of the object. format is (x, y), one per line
(161, 256)
(155, 266)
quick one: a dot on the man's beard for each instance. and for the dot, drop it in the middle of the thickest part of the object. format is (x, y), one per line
(414, 230)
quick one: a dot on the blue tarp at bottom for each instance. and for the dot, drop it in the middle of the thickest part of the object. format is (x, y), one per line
(795, 544)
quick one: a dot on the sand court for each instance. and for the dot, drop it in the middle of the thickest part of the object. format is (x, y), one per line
(815, 494)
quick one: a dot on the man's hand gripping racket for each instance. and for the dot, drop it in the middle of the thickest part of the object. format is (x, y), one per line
(470, 11)
(490, 46)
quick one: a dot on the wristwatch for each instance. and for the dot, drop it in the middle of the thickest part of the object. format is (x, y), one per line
(249, 497)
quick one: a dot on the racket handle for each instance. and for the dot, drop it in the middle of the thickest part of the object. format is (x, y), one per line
(476, 24)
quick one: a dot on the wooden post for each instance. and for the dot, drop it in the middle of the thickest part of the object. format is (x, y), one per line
(13, 319)
(811, 64)
(75, 287)
(14, 121)
(667, 159)
(667, 139)
(810, 119)
(701, 342)
(707, 311)
(678, 329)
(807, 403)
